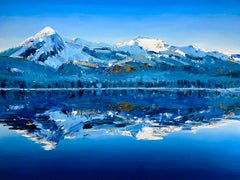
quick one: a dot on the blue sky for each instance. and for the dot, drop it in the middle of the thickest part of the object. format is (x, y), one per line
(213, 25)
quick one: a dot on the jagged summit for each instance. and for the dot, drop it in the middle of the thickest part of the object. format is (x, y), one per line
(149, 44)
(49, 48)
(47, 31)
(43, 45)
(99, 65)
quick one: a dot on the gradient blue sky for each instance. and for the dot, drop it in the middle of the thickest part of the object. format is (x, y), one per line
(213, 25)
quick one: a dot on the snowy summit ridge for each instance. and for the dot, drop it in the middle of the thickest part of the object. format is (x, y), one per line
(47, 31)
(141, 62)
(40, 47)
(48, 48)
(149, 44)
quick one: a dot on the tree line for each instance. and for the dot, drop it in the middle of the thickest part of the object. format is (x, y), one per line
(124, 84)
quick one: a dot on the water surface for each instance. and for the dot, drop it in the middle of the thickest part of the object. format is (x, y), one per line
(120, 134)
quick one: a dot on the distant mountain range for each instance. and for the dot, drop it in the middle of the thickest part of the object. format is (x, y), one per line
(48, 60)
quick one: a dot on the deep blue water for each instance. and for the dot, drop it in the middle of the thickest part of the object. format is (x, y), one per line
(120, 135)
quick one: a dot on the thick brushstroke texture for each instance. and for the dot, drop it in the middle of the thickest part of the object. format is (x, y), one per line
(158, 98)
(210, 24)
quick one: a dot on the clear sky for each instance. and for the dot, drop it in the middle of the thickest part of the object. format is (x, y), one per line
(209, 24)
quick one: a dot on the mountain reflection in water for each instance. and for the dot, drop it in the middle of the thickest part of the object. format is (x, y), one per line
(47, 117)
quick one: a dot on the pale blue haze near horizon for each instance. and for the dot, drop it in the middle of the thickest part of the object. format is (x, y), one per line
(212, 25)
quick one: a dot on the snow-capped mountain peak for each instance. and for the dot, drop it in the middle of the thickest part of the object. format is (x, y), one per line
(193, 51)
(47, 31)
(149, 44)
(40, 47)
(48, 48)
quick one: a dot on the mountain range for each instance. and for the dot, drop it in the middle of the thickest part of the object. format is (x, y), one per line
(48, 60)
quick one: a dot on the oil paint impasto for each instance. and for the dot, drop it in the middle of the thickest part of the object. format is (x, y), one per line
(114, 90)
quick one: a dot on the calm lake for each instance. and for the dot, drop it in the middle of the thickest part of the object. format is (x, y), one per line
(120, 134)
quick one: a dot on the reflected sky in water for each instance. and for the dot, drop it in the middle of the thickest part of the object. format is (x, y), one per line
(114, 134)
